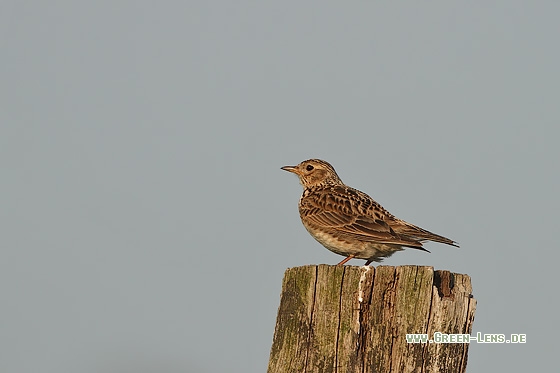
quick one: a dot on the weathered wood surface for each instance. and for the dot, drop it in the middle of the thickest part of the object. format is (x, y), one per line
(355, 319)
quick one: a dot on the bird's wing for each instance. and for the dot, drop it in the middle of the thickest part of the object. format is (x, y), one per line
(345, 212)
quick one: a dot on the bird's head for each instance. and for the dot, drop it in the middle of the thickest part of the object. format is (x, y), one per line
(314, 172)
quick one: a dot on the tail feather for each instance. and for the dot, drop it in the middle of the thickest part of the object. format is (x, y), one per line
(419, 234)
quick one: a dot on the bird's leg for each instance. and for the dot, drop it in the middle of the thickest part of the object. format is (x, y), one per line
(345, 260)
(368, 263)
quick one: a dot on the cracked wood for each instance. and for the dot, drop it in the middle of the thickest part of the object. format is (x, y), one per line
(355, 319)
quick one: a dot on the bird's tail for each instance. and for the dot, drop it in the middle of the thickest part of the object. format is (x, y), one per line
(419, 234)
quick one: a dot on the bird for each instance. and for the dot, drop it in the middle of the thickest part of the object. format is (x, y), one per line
(349, 222)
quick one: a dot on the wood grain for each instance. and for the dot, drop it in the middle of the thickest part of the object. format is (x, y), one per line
(355, 319)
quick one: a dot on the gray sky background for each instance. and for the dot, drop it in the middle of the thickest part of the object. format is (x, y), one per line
(146, 224)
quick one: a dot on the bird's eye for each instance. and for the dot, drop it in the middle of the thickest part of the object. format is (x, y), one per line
(309, 167)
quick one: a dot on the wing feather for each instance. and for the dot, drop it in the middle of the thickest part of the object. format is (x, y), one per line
(330, 210)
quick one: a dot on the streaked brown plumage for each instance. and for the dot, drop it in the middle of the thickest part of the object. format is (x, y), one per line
(349, 222)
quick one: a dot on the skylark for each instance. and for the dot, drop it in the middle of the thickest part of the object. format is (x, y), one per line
(349, 222)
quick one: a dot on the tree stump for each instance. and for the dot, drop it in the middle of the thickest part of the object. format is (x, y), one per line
(356, 319)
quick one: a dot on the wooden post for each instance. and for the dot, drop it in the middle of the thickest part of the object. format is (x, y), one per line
(356, 319)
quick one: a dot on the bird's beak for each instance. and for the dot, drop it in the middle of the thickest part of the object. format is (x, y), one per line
(293, 169)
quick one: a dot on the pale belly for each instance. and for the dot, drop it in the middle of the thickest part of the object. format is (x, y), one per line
(359, 249)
